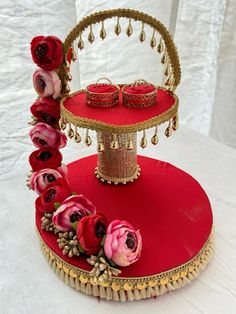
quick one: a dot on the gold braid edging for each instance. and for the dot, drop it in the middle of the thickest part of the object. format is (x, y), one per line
(130, 288)
(114, 180)
(125, 13)
(101, 126)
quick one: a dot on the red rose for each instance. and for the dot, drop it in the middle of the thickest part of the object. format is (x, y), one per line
(47, 52)
(46, 110)
(90, 231)
(56, 192)
(47, 157)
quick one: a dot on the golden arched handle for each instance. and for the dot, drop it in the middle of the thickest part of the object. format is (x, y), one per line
(170, 49)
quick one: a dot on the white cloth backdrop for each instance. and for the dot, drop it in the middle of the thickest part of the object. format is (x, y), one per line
(206, 41)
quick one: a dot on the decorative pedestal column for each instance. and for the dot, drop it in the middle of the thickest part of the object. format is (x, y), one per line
(117, 157)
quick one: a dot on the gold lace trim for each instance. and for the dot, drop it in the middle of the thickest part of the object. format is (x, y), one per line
(130, 288)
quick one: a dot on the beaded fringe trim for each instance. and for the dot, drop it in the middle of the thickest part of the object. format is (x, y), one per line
(130, 289)
(114, 180)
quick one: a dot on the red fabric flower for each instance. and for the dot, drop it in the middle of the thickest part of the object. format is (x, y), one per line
(47, 157)
(46, 110)
(47, 52)
(55, 193)
(90, 231)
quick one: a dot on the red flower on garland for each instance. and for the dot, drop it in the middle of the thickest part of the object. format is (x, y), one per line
(46, 110)
(47, 157)
(56, 192)
(90, 231)
(47, 52)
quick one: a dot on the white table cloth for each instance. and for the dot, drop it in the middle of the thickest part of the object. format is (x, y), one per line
(28, 285)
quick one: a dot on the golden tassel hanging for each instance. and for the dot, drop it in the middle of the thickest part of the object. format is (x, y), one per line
(129, 144)
(114, 143)
(160, 46)
(88, 140)
(62, 124)
(73, 55)
(169, 131)
(164, 58)
(155, 139)
(91, 36)
(103, 31)
(175, 122)
(77, 137)
(70, 132)
(80, 42)
(142, 35)
(143, 142)
(100, 145)
(129, 30)
(153, 41)
(167, 69)
(117, 27)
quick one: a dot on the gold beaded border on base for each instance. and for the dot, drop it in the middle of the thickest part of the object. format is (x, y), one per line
(130, 289)
(116, 181)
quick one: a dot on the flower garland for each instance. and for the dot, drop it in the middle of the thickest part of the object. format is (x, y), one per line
(81, 230)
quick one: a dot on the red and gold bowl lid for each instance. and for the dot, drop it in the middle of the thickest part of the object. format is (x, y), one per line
(139, 94)
(102, 94)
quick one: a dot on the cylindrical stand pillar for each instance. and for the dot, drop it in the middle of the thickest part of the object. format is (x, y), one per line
(117, 157)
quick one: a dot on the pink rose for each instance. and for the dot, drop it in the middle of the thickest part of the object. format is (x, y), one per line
(41, 179)
(47, 84)
(123, 243)
(72, 210)
(43, 134)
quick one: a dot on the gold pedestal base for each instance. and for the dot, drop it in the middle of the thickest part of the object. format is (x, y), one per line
(117, 160)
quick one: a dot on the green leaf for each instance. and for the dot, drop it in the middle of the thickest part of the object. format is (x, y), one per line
(74, 225)
(103, 240)
(57, 205)
(112, 263)
(101, 253)
(80, 248)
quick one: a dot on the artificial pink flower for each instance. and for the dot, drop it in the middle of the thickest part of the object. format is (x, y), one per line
(41, 179)
(47, 84)
(72, 210)
(43, 134)
(123, 244)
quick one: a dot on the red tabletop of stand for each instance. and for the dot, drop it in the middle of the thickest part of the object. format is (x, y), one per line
(169, 207)
(76, 111)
